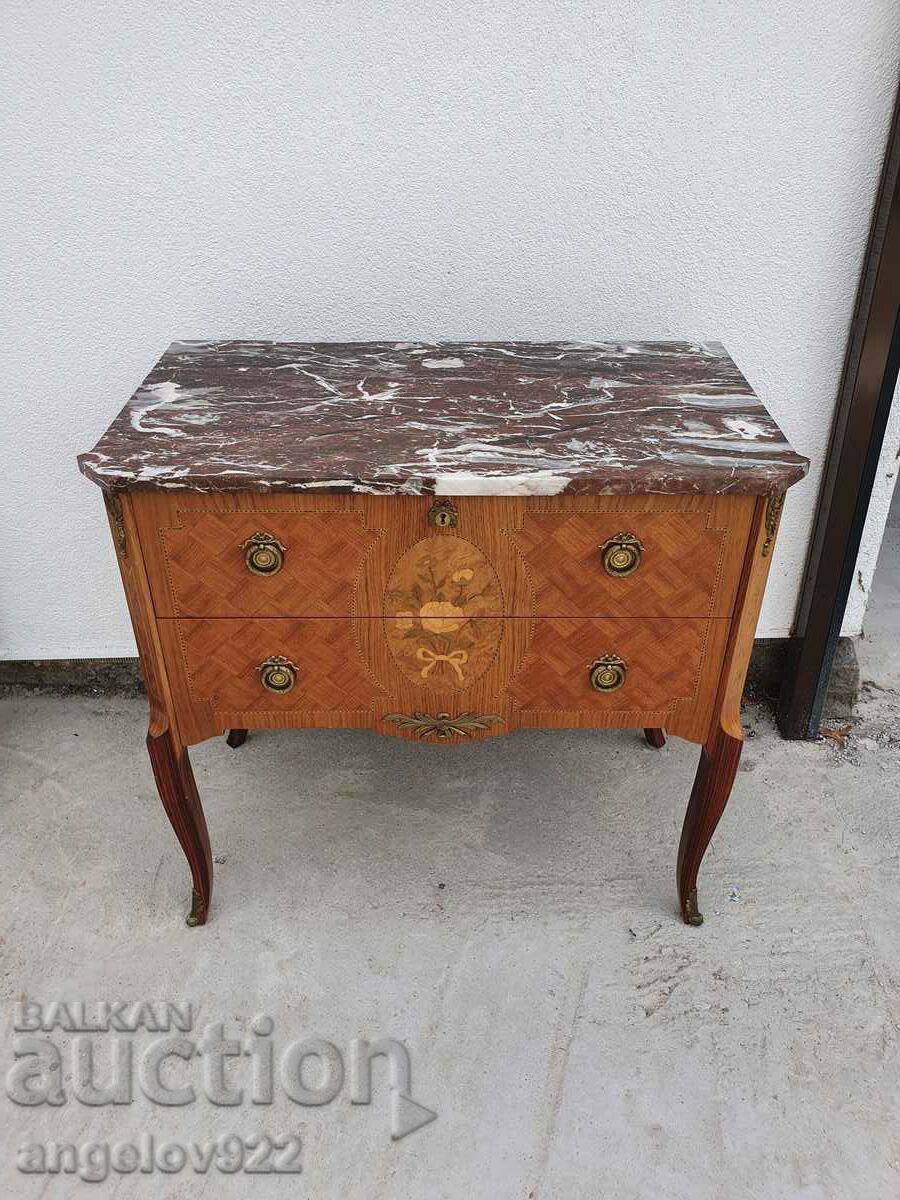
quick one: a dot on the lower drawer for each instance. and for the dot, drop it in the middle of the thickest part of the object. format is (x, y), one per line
(603, 665)
(223, 662)
(552, 671)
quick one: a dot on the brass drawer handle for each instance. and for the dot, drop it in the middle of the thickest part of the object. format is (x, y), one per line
(621, 554)
(608, 673)
(278, 674)
(263, 554)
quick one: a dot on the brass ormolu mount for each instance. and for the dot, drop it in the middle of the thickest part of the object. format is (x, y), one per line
(116, 521)
(693, 915)
(442, 726)
(774, 505)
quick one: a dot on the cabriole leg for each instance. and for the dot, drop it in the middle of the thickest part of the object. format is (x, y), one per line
(178, 792)
(655, 738)
(719, 759)
(236, 737)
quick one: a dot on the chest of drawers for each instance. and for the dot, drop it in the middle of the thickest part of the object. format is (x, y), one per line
(444, 543)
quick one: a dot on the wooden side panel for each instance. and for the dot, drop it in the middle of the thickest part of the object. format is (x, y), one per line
(750, 591)
(154, 665)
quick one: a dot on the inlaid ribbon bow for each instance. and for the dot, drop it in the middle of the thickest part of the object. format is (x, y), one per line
(457, 660)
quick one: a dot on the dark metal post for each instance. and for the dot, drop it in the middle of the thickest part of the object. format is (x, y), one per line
(864, 401)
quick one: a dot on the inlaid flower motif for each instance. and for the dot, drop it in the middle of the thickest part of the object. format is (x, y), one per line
(439, 616)
(442, 604)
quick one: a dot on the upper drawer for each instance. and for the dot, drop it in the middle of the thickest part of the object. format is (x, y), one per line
(242, 554)
(653, 557)
(246, 555)
(208, 561)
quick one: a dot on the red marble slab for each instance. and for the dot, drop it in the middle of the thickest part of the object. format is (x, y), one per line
(467, 418)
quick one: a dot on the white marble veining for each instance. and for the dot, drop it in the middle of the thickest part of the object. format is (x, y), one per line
(448, 419)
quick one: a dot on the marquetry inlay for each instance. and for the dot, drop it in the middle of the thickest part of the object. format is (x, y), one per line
(434, 595)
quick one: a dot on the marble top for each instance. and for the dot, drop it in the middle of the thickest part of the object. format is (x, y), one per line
(448, 418)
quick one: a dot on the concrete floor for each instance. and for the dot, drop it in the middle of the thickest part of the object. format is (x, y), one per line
(507, 910)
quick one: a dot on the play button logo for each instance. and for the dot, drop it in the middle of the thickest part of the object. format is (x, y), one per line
(407, 1115)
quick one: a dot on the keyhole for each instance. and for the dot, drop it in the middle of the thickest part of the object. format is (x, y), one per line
(442, 514)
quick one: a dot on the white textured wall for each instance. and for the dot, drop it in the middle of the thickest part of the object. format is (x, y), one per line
(518, 169)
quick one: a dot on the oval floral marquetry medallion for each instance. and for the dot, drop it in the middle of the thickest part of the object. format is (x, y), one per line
(442, 612)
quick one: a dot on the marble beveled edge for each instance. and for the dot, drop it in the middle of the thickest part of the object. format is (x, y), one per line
(748, 483)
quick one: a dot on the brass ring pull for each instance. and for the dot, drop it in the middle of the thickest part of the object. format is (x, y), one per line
(621, 554)
(278, 674)
(608, 673)
(263, 554)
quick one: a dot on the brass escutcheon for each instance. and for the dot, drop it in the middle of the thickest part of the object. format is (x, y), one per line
(443, 514)
(621, 554)
(278, 674)
(263, 554)
(607, 674)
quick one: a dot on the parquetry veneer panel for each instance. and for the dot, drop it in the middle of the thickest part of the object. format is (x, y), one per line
(208, 575)
(222, 660)
(662, 658)
(689, 561)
